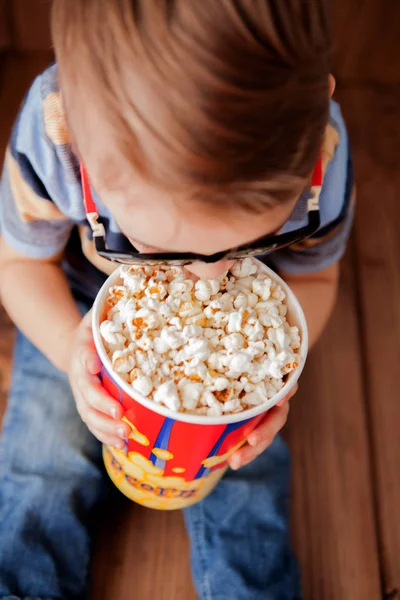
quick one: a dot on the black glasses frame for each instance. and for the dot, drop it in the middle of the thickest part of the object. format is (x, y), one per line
(263, 245)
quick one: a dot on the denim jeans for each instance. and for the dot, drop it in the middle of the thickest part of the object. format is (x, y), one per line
(51, 479)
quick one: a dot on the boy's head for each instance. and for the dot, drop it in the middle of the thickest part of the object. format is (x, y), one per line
(199, 122)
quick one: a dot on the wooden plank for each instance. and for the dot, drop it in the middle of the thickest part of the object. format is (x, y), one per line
(5, 37)
(366, 40)
(141, 553)
(332, 506)
(373, 117)
(31, 24)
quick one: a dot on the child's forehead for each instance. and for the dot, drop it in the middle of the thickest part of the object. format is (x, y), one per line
(155, 219)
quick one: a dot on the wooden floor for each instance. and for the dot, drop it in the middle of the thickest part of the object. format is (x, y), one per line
(344, 424)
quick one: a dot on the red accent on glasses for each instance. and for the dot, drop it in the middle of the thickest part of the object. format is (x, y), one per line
(317, 176)
(89, 203)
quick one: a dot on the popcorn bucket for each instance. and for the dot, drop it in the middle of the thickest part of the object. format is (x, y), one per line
(172, 460)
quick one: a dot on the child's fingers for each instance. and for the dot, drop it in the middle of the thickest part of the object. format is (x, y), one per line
(109, 431)
(292, 392)
(275, 420)
(88, 359)
(261, 437)
(104, 424)
(248, 453)
(86, 327)
(87, 355)
(110, 440)
(96, 396)
(91, 396)
(93, 364)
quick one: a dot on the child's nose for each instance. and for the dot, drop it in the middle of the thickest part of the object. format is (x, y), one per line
(210, 271)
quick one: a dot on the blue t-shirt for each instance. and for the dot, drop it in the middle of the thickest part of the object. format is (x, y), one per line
(42, 212)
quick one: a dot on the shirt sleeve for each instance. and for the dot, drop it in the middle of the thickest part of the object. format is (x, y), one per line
(33, 215)
(337, 207)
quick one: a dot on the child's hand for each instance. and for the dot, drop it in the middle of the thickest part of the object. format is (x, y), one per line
(264, 434)
(101, 413)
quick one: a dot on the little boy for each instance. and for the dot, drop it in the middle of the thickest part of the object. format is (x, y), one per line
(200, 125)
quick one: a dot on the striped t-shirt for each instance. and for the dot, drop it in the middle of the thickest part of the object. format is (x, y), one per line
(42, 212)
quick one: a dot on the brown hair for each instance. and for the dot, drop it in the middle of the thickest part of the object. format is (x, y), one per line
(226, 99)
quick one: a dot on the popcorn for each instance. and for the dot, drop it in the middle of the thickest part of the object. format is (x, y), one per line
(208, 399)
(255, 397)
(262, 288)
(226, 302)
(195, 349)
(232, 406)
(215, 284)
(135, 281)
(115, 294)
(167, 394)
(112, 334)
(160, 345)
(244, 268)
(234, 341)
(275, 369)
(254, 330)
(245, 284)
(294, 338)
(189, 309)
(214, 341)
(217, 361)
(215, 410)
(234, 322)
(252, 299)
(216, 382)
(209, 332)
(169, 339)
(145, 343)
(145, 319)
(190, 392)
(238, 363)
(176, 322)
(215, 315)
(155, 290)
(172, 304)
(143, 385)
(203, 290)
(211, 347)
(179, 287)
(174, 273)
(278, 337)
(167, 368)
(123, 361)
(198, 319)
(146, 361)
(278, 293)
(159, 275)
(190, 331)
(283, 309)
(196, 372)
(256, 349)
(240, 301)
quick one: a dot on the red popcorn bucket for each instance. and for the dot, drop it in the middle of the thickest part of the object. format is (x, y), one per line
(172, 460)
